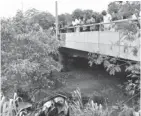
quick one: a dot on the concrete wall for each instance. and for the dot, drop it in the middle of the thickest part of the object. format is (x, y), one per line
(106, 42)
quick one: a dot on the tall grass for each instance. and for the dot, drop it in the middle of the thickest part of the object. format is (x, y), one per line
(12, 107)
(93, 109)
(90, 109)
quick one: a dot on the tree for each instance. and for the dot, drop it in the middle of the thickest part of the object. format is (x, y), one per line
(98, 17)
(126, 10)
(88, 13)
(44, 19)
(136, 5)
(31, 12)
(113, 7)
(68, 18)
(77, 13)
(27, 53)
(65, 18)
(120, 10)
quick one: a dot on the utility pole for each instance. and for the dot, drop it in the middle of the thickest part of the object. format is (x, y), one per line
(22, 5)
(56, 11)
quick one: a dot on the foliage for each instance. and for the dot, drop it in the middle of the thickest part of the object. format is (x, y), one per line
(88, 13)
(113, 7)
(110, 64)
(16, 107)
(93, 109)
(133, 84)
(27, 51)
(99, 17)
(65, 18)
(129, 32)
(114, 65)
(13, 107)
(44, 19)
(77, 13)
(123, 10)
(77, 107)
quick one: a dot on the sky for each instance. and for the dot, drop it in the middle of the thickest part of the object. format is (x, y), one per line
(8, 8)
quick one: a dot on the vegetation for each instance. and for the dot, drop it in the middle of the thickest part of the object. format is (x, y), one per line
(27, 51)
(91, 108)
(75, 106)
(14, 106)
(123, 9)
(66, 19)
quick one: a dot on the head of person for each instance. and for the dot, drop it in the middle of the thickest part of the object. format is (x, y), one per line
(73, 19)
(81, 17)
(120, 2)
(104, 13)
(93, 16)
(77, 18)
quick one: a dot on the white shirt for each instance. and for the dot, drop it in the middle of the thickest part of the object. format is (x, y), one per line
(107, 18)
(134, 16)
(77, 21)
(73, 23)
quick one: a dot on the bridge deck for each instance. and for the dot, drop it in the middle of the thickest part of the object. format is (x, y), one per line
(109, 43)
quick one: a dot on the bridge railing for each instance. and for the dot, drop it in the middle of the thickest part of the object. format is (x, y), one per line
(100, 24)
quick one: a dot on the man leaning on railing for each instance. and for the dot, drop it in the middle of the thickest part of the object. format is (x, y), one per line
(106, 19)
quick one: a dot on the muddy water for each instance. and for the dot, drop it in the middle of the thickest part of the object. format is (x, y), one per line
(94, 80)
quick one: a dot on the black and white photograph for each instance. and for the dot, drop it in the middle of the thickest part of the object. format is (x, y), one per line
(70, 58)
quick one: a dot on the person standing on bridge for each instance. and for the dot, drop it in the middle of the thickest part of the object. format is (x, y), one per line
(81, 23)
(92, 21)
(76, 22)
(84, 23)
(78, 25)
(106, 19)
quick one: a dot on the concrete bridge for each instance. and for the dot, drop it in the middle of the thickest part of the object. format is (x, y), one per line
(110, 43)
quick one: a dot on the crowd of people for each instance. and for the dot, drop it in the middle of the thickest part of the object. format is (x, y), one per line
(83, 20)
(79, 24)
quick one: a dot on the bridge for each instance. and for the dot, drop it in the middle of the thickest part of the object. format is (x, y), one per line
(110, 43)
